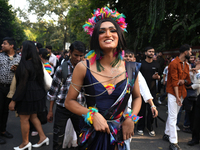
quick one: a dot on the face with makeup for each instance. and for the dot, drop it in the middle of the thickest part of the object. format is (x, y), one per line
(108, 37)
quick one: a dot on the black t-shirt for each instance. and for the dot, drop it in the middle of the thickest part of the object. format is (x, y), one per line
(147, 70)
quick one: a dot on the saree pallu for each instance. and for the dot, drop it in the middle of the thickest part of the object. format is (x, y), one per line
(89, 139)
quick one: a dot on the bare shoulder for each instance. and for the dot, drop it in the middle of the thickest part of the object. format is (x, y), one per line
(80, 68)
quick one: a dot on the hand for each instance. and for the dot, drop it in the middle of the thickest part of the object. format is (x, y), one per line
(13, 68)
(178, 101)
(128, 128)
(50, 117)
(156, 77)
(164, 82)
(100, 123)
(181, 82)
(12, 106)
(154, 112)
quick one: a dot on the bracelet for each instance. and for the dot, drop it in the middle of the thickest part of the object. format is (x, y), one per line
(89, 116)
(153, 106)
(135, 118)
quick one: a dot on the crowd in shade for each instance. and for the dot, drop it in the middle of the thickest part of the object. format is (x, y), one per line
(104, 96)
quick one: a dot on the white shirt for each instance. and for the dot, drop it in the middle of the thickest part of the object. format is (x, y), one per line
(195, 79)
(144, 90)
(53, 60)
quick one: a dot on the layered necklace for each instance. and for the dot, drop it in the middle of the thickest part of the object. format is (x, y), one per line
(109, 87)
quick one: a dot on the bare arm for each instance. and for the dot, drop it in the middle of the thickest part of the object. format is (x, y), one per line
(99, 122)
(128, 124)
(50, 113)
(70, 102)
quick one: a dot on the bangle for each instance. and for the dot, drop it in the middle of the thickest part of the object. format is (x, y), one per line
(89, 116)
(135, 118)
(153, 106)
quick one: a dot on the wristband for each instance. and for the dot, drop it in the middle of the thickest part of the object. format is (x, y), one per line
(153, 106)
(135, 118)
(89, 116)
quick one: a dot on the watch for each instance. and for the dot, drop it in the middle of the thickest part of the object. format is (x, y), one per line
(185, 81)
(153, 106)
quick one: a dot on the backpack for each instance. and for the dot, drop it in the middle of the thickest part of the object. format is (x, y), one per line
(64, 72)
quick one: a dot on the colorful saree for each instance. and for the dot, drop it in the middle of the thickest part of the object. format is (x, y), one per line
(112, 107)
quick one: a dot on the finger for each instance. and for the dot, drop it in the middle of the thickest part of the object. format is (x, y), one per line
(108, 130)
(124, 136)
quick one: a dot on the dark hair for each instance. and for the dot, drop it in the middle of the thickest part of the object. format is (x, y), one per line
(147, 48)
(184, 48)
(77, 45)
(128, 52)
(49, 47)
(11, 41)
(65, 52)
(39, 45)
(44, 53)
(94, 43)
(29, 52)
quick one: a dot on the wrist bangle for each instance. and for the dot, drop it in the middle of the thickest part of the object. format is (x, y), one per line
(135, 118)
(153, 106)
(88, 118)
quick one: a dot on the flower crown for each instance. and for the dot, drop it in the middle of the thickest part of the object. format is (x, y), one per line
(103, 13)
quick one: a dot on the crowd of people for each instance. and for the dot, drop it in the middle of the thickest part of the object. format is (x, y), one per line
(104, 92)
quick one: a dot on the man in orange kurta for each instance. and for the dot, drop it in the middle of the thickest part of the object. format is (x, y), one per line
(178, 76)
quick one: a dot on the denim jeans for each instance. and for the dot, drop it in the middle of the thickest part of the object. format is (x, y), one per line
(4, 103)
(61, 116)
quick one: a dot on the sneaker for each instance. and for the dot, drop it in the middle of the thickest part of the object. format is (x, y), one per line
(152, 133)
(166, 137)
(140, 132)
(174, 146)
(177, 128)
(34, 133)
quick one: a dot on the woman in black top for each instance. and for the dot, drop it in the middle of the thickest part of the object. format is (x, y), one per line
(29, 97)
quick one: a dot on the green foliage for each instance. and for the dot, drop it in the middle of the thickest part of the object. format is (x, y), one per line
(160, 23)
(9, 24)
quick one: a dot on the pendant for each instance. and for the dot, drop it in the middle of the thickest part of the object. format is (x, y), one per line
(110, 88)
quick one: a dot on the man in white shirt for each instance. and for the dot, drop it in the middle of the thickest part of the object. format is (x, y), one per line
(52, 59)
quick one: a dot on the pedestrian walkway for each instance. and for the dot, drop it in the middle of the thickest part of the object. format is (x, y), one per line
(138, 142)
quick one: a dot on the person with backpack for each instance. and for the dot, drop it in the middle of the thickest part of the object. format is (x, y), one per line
(58, 91)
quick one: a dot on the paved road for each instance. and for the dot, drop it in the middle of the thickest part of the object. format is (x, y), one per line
(138, 142)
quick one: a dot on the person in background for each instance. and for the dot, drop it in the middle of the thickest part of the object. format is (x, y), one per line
(57, 93)
(38, 46)
(8, 64)
(196, 104)
(30, 95)
(44, 56)
(191, 61)
(149, 70)
(64, 57)
(144, 90)
(53, 60)
(178, 76)
(165, 73)
(129, 56)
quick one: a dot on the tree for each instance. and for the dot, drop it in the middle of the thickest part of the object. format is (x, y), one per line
(162, 24)
(10, 25)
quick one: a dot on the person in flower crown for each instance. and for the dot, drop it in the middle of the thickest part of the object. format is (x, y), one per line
(107, 82)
